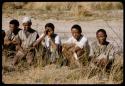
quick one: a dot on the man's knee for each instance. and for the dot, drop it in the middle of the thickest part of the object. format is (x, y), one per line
(19, 55)
(29, 61)
(30, 57)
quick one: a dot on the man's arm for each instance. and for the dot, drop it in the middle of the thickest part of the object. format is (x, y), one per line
(79, 51)
(67, 47)
(68, 44)
(16, 40)
(41, 38)
(79, 48)
(37, 42)
(6, 40)
(112, 53)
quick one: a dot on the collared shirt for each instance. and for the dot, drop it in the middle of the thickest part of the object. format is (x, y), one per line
(46, 43)
(56, 40)
(99, 51)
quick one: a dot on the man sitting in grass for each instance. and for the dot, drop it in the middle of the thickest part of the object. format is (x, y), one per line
(102, 51)
(52, 44)
(10, 42)
(76, 48)
(26, 38)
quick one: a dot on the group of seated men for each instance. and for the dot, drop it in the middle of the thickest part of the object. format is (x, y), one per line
(21, 43)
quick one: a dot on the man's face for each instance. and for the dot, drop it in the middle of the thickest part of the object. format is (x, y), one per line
(50, 31)
(26, 26)
(101, 37)
(12, 27)
(75, 33)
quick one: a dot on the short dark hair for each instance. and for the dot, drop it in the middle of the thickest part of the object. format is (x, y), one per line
(77, 27)
(15, 22)
(101, 30)
(50, 25)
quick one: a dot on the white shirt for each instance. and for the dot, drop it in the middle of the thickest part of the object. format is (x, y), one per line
(57, 40)
(83, 42)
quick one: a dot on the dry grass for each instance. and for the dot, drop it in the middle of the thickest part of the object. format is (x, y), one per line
(63, 9)
(51, 74)
(107, 5)
(64, 5)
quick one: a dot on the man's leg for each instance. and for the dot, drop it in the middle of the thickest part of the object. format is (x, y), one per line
(67, 55)
(19, 55)
(29, 57)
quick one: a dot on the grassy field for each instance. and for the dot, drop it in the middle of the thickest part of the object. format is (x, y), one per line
(63, 10)
(90, 16)
(51, 74)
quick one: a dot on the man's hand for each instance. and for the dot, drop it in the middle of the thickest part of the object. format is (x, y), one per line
(96, 61)
(45, 32)
(14, 42)
(10, 42)
(103, 61)
(79, 52)
(37, 42)
(7, 43)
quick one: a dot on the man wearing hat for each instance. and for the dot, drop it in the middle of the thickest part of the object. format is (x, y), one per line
(26, 38)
